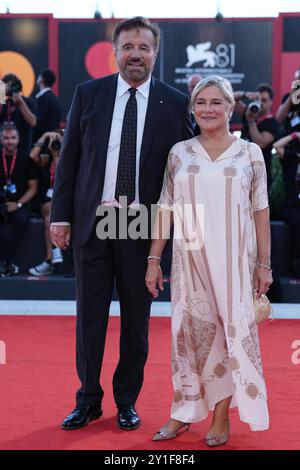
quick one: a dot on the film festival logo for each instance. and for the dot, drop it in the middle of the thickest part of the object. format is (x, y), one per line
(224, 55)
(206, 59)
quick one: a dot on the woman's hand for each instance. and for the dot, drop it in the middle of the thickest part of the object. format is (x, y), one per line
(153, 277)
(262, 279)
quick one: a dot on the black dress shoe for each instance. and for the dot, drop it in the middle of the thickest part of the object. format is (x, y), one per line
(81, 416)
(128, 419)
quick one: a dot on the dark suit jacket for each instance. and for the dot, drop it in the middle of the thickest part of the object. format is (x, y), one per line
(49, 113)
(81, 170)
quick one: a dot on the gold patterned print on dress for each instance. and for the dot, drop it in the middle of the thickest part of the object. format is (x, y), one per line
(220, 370)
(173, 166)
(178, 396)
(192, 170)
(180, 218)
(251, 347)
(174, 363)
(242, 244)
(196, 397)
(229, 173)
(193, 269)
(195, 338)
(199, 307)
(177, 269)
(189, 148)
(255, 341)
(210, 281)
(259, 182)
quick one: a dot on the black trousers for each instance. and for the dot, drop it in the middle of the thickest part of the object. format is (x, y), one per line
(97, 265)
(12, 232)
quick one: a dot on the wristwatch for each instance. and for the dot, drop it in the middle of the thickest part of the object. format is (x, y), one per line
(19, 205)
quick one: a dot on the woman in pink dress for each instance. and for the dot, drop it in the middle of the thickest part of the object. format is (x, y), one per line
(215, 194)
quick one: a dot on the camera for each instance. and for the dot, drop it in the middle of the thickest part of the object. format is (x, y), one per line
(15, 86)
(254, 107)
(55, 145)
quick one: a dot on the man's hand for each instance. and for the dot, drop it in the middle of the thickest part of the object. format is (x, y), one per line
(28, 115)
(17, 99)
(252, 95)
(60, 235)
(153, 277)
(250, 116)
(11, 206)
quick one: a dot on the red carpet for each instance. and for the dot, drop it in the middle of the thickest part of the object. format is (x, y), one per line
(38, 382)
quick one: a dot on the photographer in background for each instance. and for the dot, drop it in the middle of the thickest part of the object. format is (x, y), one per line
(20, 110)
(18, 185)
(45, 153)
(259, 125)
(288, 149)
(288, 113)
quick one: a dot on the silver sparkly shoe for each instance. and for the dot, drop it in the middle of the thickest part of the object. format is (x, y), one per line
(164, 434)
(214, 440)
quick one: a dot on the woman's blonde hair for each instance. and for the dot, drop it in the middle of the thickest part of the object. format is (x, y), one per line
(223, 84)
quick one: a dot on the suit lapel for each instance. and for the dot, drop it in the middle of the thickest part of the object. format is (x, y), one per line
(156, 106)
(103, 109)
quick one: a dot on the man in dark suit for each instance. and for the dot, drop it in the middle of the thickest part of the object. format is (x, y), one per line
(48, 104)
(120, 130)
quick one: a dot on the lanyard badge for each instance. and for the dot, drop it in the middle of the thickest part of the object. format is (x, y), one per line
(9, 173)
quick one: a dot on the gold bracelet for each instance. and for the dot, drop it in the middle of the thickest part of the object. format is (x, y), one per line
(260, 265)
(154, 257)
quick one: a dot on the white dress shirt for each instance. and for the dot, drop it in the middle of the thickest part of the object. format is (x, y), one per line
(111, 169)
(42, 92)
(122, 96)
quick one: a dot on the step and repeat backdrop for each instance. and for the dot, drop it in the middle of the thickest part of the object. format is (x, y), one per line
(246, 51)
(186, 48)
(24, 46)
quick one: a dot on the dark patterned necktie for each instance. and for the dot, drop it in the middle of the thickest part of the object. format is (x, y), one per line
(125, 185)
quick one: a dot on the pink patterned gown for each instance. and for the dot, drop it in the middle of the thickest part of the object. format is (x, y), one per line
(215, 344)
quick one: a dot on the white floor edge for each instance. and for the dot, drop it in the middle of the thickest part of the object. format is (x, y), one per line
(66, 307)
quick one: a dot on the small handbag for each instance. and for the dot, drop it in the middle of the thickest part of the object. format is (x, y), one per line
(263, 308)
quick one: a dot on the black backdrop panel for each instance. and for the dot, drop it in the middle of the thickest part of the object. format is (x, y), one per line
(27, 36)
(238, 50)
(76, 39)
(291, 34)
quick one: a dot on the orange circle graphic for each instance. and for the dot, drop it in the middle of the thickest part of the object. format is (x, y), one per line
(100, 59)
(13, 62)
